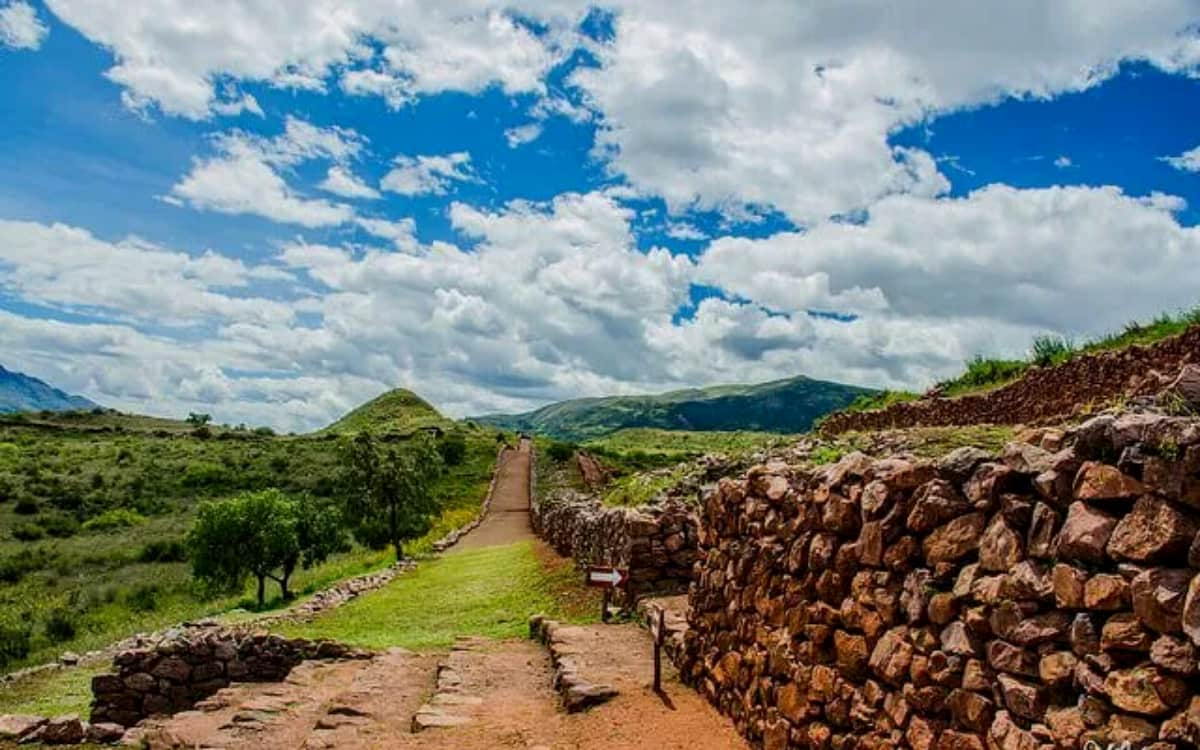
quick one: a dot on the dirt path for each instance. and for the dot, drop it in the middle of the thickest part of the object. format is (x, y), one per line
(507, 520)
(483, 694)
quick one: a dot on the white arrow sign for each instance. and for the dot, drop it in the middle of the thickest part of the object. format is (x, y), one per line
(609, 577)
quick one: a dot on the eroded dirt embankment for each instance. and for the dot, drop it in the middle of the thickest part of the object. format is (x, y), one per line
(1044, 394)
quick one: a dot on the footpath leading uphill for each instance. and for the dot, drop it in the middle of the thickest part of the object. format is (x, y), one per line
(481, 693)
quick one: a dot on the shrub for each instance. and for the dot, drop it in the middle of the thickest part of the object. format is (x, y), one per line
(163, 551)
(203, 433)
(1051, 350)
(8, 488)
(27, 532)
(143, 598)
(453, 448)
(26, 507)
(117, 518)
(14, 640)
(59, 525)
(264, 432)
(560, 451)
(60, 626)
(204, 475)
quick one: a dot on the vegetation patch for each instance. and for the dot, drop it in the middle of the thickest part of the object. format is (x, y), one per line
(490, 592)
(51, 693)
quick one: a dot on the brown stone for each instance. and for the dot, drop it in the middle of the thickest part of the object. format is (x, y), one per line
(1101, 482)
(1005, 657)
(942, 608)
(1024, 699)
(1043, 527)
(1158, 596)
(976, 676)
(1066, 726)
(970, 710)
(1069, 583)
(1124, 632)
(105, 733)
(933, 504)
(1084, 634)
(951, 739)
(1145, 690)
(792, 701)
(1106, 592)
(1174, 654)
(922, 733)
(1154, 532)
(172, 668)
(1000, 547)
(956, 641)
(19, 726)
(891, 657)
(62, 730)
(955, 539)
(1084, 533)
(852, 654)
(1057, 668)
(1048, 626)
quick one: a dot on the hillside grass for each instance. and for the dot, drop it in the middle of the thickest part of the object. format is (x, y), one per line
(53, 693)
(782, 406)
(92, 523)
(489, 592)
(398, 411)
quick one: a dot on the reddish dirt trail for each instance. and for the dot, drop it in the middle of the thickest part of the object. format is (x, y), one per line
(507, 520)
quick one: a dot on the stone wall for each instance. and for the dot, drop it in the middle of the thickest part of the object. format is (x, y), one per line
(172, 671)
(657, 543)
(1045, 393)
(1045, 598)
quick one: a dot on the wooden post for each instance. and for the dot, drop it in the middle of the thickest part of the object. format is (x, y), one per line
(604, 605)
(658, 641)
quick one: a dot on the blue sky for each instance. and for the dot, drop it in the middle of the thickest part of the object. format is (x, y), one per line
(272, 219)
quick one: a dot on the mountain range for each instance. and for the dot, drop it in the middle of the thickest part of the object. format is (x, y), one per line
(20, 392)
(784, 406)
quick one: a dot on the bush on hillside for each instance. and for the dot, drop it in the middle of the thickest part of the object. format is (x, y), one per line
(27, 532)
(453, 448)
(560, 451)
(143, 597)
(58, 525)
(14, 639)
(163, 551)
(26, 507)
(60, 625)
(117, 518)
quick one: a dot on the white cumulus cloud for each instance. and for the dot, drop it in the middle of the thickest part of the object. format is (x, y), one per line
(425, 175)
(20, 27)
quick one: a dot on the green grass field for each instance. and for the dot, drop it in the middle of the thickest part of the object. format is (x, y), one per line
(489, 592)
(92, 518)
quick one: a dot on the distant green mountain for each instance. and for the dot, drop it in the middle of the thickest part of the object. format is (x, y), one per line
(398, 410)
(784, 406)
(20, 392)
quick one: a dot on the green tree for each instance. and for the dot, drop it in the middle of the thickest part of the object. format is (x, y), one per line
(262, 534)
(197, 419)
(453, 448)
(389, 498)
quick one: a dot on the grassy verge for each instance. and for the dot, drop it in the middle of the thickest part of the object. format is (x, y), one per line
(489, 592)
(62, 691)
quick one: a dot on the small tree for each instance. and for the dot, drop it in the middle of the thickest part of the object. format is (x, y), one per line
(453, 448)
(389, 498)
(263, 534)
(198, 420)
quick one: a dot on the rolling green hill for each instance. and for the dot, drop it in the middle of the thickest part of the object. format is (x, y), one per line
(20, 393)
(784, 406)
(397, 411)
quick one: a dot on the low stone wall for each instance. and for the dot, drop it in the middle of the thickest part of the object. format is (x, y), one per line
(656, 543)
(1047, 393)
(1038, 600)
(172, 671)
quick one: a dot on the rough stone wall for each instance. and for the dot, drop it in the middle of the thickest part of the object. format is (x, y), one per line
(174, 670)
(657, 543)
(1043, 394)
(1039, 600)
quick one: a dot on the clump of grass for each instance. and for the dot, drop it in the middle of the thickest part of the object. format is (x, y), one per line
(116, 518)
(880, 400)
